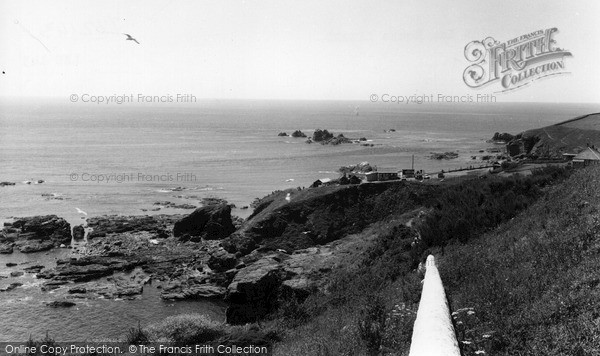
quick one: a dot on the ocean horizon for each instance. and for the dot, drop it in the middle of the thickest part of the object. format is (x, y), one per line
(120, 159)
(129, 160)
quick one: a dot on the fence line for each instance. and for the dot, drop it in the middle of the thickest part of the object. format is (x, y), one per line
(433, 333)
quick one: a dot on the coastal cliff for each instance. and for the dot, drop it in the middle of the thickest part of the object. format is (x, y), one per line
(571, 136)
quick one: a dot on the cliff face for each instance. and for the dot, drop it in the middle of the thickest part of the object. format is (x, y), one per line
(293, 219)
(571, 136)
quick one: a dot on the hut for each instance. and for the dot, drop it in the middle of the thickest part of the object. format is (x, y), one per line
(586, 158)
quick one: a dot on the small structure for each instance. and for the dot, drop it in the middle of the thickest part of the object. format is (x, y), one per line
(378, 176)
(569, 156)
(383, 176)
(496, 168)
(586, 158)
(408, 173)
(371, 176)
(320, 182)
(354, 179)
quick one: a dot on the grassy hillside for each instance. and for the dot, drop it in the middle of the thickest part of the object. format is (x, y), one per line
(518, 257)
(370, 303)
(571, 136)
(533, 282)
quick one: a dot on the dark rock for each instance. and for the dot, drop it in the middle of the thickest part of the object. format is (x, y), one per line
(168, 204)
(221, 260)
(239, 243)
(44, 228)
(445, 155)
(52, 285)
(16, 273)
(120, 288)
(6, 249)
(2, 184)
(34, 246)
(34, 269)
(299, 287)
(89, 268)
(78, 232)
(209, 222)
(77, 290)
(282, 134)
(10, 287)
(115, 224)
(253, 292)
(194, 292)
(11, 264)
(60, 304)
(298, 133)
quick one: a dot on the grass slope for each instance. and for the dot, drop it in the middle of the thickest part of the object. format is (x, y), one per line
(533, 283)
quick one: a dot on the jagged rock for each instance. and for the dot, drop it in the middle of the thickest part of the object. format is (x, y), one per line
(194, 292)
(88, 268)
(77, 290)
(6, 249)
(2, 184)
(34, 269)
(78, 232)
(221, 260)
(16, 273)
(209, 222)
(10, 287)
(444, 155)
(237, 243)
(44, 228)
(119, 289)
(115, 224)
(299, 287)
(34, 246)
(298, 133)
(253, 292)
(52, 285)
(60, 304)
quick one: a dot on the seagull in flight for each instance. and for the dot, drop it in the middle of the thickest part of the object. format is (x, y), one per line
(129, 38)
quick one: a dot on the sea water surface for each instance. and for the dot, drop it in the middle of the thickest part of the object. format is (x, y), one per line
(181, 154)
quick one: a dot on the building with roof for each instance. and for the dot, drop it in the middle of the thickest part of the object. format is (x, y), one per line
(587, 157)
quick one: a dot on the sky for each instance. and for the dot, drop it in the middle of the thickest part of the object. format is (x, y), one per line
(298, 50)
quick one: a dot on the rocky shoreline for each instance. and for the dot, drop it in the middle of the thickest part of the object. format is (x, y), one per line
(187, 256)
(285, 246)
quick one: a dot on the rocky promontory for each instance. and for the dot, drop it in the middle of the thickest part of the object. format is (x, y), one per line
(571, 136)
(290, 241)
(34, 234)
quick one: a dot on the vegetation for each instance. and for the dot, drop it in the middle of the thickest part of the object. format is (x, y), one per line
(186, 329)
(519, 262)
(369, 306)
(466, 210)
(533, 282)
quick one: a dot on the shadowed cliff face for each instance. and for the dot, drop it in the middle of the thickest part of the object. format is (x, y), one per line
(321, 215)
(570, 136)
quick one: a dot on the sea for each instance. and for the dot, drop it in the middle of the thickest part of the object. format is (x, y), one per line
(82, 160)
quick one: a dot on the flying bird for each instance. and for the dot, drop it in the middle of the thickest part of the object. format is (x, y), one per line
(81, 211)
(129, 38)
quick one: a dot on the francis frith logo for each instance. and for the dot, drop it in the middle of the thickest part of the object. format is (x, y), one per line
(514, 63)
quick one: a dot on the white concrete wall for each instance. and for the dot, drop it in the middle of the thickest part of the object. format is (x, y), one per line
(433, 333)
